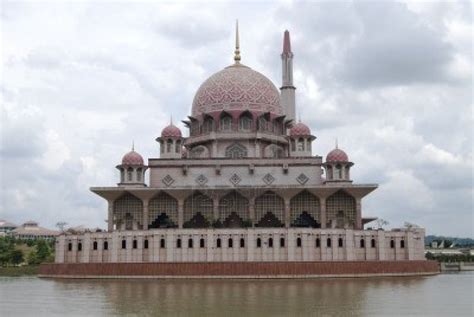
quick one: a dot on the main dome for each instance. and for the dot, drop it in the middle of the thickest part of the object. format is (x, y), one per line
(237, 87)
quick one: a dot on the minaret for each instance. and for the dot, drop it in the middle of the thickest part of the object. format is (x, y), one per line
(287, 88)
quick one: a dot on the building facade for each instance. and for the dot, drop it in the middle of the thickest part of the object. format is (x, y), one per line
(243, 186)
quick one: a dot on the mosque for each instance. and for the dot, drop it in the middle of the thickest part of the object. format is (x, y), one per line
(243, 188)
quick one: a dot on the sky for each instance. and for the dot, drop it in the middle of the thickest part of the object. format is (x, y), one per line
(391, 80)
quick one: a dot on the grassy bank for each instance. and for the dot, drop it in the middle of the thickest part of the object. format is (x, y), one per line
(19, 270)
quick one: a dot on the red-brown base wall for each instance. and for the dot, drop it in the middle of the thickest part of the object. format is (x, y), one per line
(240, 269)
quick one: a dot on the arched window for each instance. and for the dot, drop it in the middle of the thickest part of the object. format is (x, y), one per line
(218, 243)
(139, 174)
(318, 243)
(162, 147)
(392, 244)
(94, 245)
(402, 244)
(259, 243)
(190, 243)
(245, 122)
(226, 123)
(199, 151)
(145, 244)
(79, 246)
(124, 244)
(106, 245)
(236, 150)
(338, 171)
(69, 246)
(298, 242)
(293, 145)
(122, 175)
(230, 243)
(135, 244)
(169, 145)
(262, 124)
(300, 144)
(242, 242)
(162, 243)
(208, 125)
(372, 243)
(178, 243)
(362, 243)
(340, 243)
(202, 243)
(328, 242)
(177, 147)
(329, 172)
(129, 174)
(282, 242)
(270, 242)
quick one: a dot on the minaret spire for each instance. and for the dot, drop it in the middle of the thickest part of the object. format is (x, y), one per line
(237, 43)
(287, 89)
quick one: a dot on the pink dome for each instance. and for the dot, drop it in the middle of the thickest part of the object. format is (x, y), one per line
(132, 158)
(237, 87)
(300, 129)
(171, 131)
(337, 155)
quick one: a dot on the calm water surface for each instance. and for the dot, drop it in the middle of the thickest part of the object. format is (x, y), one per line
(441, 295)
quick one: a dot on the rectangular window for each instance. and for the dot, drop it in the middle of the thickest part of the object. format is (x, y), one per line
(145, 244)
(162, 243)
(124, 244)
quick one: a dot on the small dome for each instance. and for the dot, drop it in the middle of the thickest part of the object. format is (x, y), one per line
(300, 129)
(337, 155)
(132, 158)
(171, 131)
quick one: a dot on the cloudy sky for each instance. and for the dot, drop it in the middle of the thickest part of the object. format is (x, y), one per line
(392, 81)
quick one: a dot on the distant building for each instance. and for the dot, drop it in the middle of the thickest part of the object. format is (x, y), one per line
(6, 227)
(31, 230)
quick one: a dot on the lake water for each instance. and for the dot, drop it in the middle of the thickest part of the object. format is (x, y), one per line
(441, 295)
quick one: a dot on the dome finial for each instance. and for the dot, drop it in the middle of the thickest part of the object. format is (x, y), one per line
(133, 145)
(171, 119)
(237, 44)
(337, 146)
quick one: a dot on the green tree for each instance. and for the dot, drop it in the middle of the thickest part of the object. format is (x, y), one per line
(16, 257)
(42, 250)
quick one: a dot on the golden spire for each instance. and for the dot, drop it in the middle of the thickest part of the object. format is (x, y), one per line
(237, 44)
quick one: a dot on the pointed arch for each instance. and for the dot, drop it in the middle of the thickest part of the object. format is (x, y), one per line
(245, 121)
(236, 150)
(234, 210)
(128, 212)
(208, 124)
(198, 211)
(163, 211)
(341, 209)
(305, 210)
(225, 123)
(269, 210)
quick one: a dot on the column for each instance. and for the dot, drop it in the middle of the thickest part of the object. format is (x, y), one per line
(350, 245)
(358, 224)
(323, 212)
(110, 218)
(114, 248)
(180, 213)
(60, 249)
(287, 213)
(215, 209)
(146, 203)
(252, 211)
(291, 244)
(86, 247)
(380, 245)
